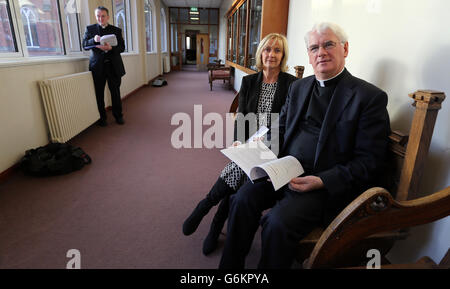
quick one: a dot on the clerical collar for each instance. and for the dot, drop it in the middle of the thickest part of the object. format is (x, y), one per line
(330, 81)
(104, 26)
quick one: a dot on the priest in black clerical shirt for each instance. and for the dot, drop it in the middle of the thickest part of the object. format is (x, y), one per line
(337, 126)
(105, 63)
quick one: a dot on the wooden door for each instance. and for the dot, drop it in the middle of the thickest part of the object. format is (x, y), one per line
(202, 51)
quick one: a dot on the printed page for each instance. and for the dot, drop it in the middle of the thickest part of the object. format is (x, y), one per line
(249, 155)
(261, 132)
(280, 171)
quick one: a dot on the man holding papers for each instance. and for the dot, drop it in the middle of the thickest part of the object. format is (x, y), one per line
(337, 127)
(106, 43)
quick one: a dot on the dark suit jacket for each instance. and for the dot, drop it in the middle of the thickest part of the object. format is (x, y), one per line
(353, 141)
(250, 92)
(96, 62)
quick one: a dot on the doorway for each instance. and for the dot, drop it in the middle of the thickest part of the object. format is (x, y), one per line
(202, 51)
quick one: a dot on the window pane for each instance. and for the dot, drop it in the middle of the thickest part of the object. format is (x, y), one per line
(214, 16)
(163, 31)
(255, 32)
(229, 38)
(7, 41)
(72, 16)
(42, 28)
(173, 15)
(203, 16)
(121, 21)
(234, 36)
(148, 12)
(242, 33)
(213, 39)
(174, 37)
(184, 15)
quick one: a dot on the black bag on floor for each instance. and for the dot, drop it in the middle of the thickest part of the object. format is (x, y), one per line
(53, 159)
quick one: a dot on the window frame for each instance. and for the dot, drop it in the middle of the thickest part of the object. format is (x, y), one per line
(22, 53)
(154, 48)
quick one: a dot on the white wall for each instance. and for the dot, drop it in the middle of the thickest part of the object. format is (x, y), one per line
(22, 116)
(400, 46)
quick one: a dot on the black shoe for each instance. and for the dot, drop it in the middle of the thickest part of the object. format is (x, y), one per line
(217, 193)
(102, 122)
(210, 242)
(120, 121)
(192, 222)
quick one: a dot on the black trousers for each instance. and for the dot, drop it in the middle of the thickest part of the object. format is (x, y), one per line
(114, 82)
(292, 217)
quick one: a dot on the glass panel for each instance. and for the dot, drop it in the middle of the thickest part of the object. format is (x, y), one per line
(42, 27)
(148, 13)
(73, 30)
(242, 32)
(233, 57)
(203, 16)
(173, 15)
(214, 16)
(213, 39)
(7, 40)
(174, 37)
(229, 38)
(121, 21)
(163, 31)
(255, 32)
(184, 15)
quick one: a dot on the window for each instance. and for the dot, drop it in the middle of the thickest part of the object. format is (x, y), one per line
(122, 20)
(7, 39)
(72, 26)
(42, 28)
(47, 27)
(163, 31)
(149, 24)
(243, 37)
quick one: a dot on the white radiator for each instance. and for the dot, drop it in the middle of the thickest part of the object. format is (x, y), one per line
(70, 104)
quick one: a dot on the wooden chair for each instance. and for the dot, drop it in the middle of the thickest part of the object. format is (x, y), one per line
(375, 220)
(218, 71)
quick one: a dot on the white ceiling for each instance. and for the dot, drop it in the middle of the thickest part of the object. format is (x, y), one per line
(193, 3)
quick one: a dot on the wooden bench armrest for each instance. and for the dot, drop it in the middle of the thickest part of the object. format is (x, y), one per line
(373, 212)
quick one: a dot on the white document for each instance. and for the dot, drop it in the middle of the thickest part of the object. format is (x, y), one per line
(109, 38)
(258, 161)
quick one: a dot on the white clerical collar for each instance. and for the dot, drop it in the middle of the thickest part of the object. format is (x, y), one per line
(322, 82)
(104, 26)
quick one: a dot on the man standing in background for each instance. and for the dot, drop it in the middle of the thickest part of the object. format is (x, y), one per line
(105, 63)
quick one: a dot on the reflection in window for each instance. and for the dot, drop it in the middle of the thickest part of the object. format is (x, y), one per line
(148, 12)
(29, 25)
(242, 32)
(42, 27)
(7, 41)
(73, 30)
(121, 17)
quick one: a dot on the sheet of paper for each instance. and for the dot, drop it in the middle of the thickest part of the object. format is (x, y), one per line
(110, 38)
(280, 171)
(249, 155)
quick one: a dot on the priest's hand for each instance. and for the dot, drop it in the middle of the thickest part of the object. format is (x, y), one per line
(306, 184)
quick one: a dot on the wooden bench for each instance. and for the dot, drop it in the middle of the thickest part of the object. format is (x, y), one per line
(218, 71)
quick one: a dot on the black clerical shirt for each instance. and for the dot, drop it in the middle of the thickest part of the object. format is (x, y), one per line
(303, 146)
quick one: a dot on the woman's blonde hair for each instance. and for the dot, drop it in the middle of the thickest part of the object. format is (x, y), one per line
(278, 37)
